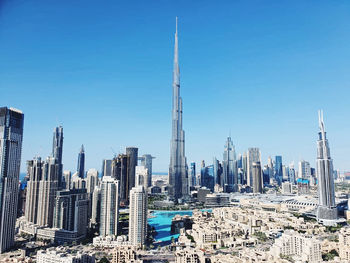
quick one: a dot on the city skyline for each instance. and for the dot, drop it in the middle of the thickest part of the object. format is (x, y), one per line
(285, 124)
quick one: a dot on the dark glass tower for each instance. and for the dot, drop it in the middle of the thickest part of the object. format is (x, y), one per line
(178, 179)
(11, 134)
(120, 172)
(132, 153)
(81, 162)
(57, 148)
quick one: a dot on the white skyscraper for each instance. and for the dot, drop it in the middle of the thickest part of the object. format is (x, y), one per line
(91, 180)
(109, 206)
(141, 176)
(138, 216)
(327, 211)
(304, 170)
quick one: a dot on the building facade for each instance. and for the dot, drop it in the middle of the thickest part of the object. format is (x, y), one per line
(109, 216)
(138, 216)
(11, 134)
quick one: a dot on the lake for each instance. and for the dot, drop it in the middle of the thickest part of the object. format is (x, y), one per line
(162, 223)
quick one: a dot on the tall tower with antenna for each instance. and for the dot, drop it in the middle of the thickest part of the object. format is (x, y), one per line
(178, 178)
(326, 211)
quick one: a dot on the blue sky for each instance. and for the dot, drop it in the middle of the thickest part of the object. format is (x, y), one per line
(103, 70)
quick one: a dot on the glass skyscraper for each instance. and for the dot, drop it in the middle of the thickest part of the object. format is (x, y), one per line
(278, 169)
(81, 162)
(11, 134)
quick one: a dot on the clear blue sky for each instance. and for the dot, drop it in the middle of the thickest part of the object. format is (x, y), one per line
(103, 70)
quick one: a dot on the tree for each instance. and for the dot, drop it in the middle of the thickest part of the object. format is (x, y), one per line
(104, 260)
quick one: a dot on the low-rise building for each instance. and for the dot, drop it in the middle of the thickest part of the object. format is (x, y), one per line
(60, 255)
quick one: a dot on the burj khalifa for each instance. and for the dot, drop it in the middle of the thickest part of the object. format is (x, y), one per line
(327, 210)
(178, 178)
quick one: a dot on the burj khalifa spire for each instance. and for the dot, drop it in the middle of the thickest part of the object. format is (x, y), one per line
(178, 181)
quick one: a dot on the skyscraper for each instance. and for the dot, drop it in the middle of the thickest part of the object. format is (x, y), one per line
(141, 176)
(91, 182)
(71, 211)
(109, 214)
(57, 149)
(106, 167)
(132, 153)
(257, 177)
(278, 169)
(326, 210)
(253, 156)
(11, 133)
(34, 168)
(48, 186)
(178, 178)
(138, 216)
(67, 179)
(192, 177)
(304, 171)
(146, 161)
(81, 162)
(120, 173)
(229, 167)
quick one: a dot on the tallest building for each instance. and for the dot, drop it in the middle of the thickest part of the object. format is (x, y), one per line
(177, 168)
(327, 210)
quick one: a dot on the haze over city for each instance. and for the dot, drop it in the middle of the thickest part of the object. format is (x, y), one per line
(258, 71)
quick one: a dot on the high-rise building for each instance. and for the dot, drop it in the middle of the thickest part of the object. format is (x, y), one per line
(326, 211)
(270, 170)
(138, 216)
(11, 134)
(253, 156)
(91, 180)
(57, 149)
(146, 161)
(207, 177)
(278, 169)
(109, 206)
(132, 153)
(257, 177)
(292, 177)
(81, 163)
(285, 173)
(96, 205)
(67, 179)
(71, 211)
(142, 176)
(218, 171)
(178, 177)
(35, 169)
(229, 167)
(120, 173)
(106, 167)
(192, 177)
(48, 186)
(244, 168)
(304, 170)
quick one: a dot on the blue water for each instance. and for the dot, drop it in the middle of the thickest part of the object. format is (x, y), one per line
(162, 224)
